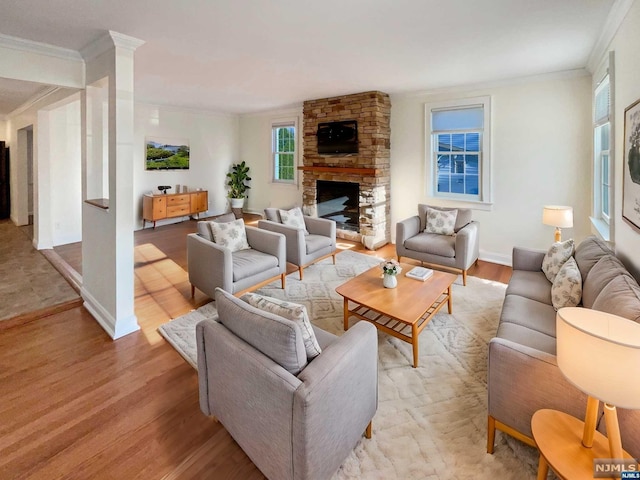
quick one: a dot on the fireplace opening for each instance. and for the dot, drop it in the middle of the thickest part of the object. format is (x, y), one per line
(340, 202)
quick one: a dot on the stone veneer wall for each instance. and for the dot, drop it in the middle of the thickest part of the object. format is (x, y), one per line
(370, 167)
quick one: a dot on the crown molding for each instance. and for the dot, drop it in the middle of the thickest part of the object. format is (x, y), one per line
(616, 15)
(507, 82)
(107, 41)
(30, 46)
(45, 92)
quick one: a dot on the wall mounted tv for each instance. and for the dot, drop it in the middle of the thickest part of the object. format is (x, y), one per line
(338, 137)
(163, 154)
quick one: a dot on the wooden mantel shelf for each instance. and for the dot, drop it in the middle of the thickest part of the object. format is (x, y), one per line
(345, 170)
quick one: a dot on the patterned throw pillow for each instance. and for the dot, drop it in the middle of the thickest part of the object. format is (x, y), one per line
(442, 222)
(293, 218)
(230, 234)
(566, 290)
(558, 253)
(291, 311)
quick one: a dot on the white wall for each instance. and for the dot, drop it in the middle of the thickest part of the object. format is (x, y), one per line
(626, 91)
(214, 145)
(541, 147)
(255, 149)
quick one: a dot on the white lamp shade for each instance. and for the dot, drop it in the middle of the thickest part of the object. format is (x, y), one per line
(600, 354)
(557, 216)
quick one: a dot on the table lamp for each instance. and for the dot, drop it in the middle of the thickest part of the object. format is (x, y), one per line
(599, 353)
(559, 217)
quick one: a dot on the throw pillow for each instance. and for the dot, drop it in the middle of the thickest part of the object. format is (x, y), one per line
(566, 290)
(558, 253)
(293, 218)
(291, 311)
(230, 234)
(441, 222)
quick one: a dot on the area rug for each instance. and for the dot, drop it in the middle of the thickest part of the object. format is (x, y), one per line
(431, 420)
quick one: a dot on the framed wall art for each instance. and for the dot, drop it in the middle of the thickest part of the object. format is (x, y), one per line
(631, 166)
(166, 154)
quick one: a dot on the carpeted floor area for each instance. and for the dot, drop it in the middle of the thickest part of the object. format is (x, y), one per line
(431, 420)
(28, 282)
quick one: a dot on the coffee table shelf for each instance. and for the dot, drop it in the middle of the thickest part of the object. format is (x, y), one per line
(402, 312)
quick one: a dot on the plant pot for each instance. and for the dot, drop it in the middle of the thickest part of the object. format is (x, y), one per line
(389, 281)
(236, 202)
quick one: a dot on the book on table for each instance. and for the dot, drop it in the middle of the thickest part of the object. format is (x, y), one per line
(419, 273)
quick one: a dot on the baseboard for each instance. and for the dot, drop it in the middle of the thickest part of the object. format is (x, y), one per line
(115, 329)
(498, 258)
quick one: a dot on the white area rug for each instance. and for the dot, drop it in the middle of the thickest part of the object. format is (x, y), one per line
(431, 420)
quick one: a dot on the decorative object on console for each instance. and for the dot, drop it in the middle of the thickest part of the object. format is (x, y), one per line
(599, 353)
(631, 176)
(164, 154)
(164, 188)
(390, 268)
(559, 217)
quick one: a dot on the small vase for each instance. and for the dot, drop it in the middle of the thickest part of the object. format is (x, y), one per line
(389, 281)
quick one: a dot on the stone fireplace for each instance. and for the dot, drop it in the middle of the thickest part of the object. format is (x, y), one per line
(369, 168)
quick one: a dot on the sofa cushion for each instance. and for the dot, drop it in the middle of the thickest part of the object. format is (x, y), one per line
(566, 290)
(588, 252)
(276, 337)
(272, 214)
(247, 263)
(525, 336)
(432, 243)
(291, 311)
(441, 222)
(605, 270)
(230, 234)
(533, 285)
(621, 296)
(204, 230)
(537, 316)
(557, 254)
(462, 218)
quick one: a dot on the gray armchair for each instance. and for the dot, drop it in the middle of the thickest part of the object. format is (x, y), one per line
(211, 265)
(456, 252)
(291, 425)
(302, 249)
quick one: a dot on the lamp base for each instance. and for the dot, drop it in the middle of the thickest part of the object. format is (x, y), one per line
(558, 237)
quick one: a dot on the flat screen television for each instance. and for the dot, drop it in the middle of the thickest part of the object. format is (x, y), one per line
(338, 137)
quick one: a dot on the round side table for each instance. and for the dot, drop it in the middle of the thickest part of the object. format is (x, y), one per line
(559, 439)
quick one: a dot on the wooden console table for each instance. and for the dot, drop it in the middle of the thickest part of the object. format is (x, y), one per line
(170, 205)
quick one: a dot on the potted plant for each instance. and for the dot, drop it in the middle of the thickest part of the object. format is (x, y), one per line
(238, 175)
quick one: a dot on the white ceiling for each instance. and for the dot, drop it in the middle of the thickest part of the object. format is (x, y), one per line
(253, 55)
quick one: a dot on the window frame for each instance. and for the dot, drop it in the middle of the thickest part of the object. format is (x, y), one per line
(279, 123)
(603, 222)
(484, 198)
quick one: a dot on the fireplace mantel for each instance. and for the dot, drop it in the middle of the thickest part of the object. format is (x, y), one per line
(345, 170)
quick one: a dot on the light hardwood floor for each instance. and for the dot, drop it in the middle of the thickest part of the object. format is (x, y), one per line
(75, 404)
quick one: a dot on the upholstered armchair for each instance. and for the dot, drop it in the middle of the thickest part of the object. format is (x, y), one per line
(457, 252)
(214, 265)
(294, 418)
(314, 242)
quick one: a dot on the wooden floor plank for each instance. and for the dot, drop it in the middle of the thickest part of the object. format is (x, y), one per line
(75, 404)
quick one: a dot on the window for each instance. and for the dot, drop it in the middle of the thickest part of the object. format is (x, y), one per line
(284, 152)
(459, 149)
(602, 165)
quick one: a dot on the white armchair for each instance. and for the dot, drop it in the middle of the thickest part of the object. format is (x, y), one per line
(304, 249)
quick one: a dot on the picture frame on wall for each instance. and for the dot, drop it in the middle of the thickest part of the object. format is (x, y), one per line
(631, 162)
(166, 154)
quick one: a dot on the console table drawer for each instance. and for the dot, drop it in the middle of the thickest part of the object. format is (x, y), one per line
(177, 210)
(178, 200)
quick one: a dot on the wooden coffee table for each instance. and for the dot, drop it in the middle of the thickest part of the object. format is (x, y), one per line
(402, 312)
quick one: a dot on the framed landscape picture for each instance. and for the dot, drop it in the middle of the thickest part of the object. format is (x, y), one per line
(631, 162)
(166, 154)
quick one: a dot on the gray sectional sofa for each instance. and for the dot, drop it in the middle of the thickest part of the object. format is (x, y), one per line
(523, 375)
